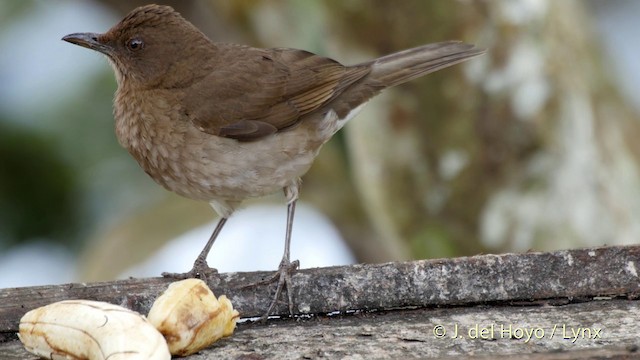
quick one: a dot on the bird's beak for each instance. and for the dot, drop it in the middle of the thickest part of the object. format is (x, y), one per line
(88, 40)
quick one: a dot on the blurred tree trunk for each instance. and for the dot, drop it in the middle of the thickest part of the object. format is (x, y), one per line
(528, 146)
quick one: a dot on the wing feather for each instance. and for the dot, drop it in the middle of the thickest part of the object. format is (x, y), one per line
(259, 92)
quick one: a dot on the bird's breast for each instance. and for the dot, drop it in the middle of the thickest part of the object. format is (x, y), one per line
(197, 165)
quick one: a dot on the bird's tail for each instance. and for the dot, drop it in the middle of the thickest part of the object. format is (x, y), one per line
(400, 67)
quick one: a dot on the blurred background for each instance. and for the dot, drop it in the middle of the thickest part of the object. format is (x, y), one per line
(533, 146)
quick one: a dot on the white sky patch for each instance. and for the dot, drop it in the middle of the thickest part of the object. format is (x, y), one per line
(253, 239)
(521, 12)
(530, 96)
(38, 263)
(524, 77)
(617, 22)
(40, 67)
(452, 162)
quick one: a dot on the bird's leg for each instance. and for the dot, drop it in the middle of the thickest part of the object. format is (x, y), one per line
(200, 267)
(285, 269)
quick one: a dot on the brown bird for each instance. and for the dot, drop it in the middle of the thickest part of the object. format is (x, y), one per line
(224, 122)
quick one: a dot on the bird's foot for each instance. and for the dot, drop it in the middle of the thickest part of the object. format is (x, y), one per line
(283, 277)
(200, 270)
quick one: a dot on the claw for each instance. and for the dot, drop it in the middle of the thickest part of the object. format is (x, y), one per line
(200, 270)
(283, 277)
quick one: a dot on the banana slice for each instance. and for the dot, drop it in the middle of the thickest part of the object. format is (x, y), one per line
(84, 329)
(191, 318)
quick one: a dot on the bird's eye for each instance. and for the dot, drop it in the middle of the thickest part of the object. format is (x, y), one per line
(135, 44)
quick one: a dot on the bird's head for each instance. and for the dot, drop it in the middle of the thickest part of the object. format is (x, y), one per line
(148, 47)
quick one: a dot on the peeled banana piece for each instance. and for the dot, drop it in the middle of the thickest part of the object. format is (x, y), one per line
(191, 318)
(84, 329)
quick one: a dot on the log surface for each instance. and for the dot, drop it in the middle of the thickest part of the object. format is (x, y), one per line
(395, 307)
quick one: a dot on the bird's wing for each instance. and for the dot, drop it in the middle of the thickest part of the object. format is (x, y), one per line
(261, 91)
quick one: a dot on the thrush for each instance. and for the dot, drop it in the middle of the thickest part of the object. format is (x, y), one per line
(223, 122)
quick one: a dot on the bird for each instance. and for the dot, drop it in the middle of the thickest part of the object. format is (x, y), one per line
(222, 122)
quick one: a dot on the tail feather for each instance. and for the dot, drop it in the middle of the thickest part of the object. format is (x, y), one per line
(400, 67)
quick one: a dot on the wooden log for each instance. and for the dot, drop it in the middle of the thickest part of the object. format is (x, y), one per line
(571, 274)
(475, 290)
